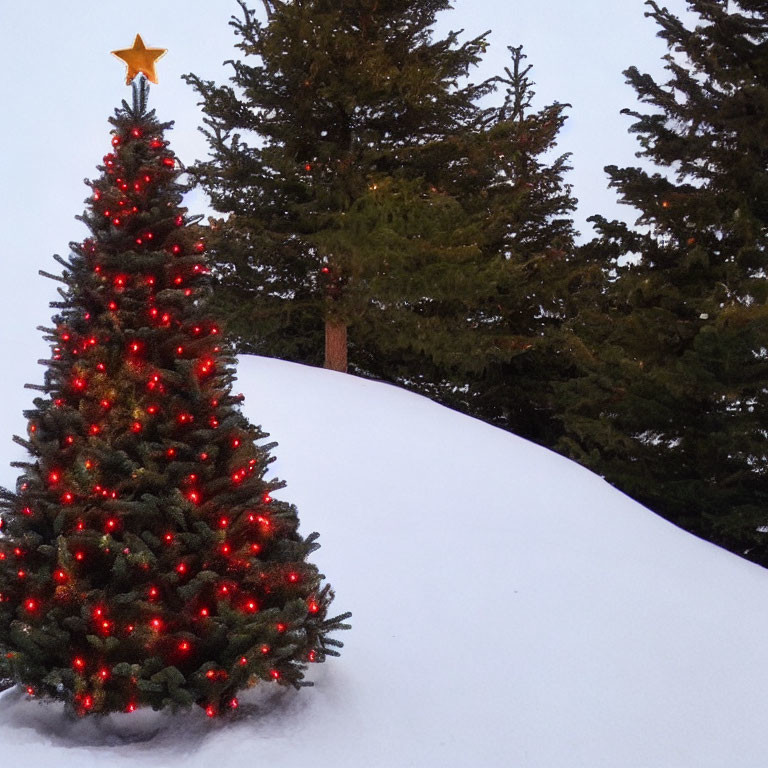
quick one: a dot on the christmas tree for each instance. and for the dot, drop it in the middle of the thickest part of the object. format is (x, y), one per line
(144, 561)
(674, 407)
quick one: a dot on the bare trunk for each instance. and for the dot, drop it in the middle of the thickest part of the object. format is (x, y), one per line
(336, 345)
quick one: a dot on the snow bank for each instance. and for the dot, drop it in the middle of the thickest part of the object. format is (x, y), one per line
(510, 609)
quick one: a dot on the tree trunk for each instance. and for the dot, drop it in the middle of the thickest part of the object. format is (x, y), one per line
(336, 345)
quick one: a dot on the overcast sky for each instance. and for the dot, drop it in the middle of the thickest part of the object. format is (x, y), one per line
(60, 84)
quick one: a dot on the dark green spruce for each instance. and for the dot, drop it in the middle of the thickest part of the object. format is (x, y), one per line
(380, 215)
(673, 406)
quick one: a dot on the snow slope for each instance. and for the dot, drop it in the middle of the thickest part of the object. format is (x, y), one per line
(510, 609)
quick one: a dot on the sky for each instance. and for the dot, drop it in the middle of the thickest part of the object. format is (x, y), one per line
(60, 84)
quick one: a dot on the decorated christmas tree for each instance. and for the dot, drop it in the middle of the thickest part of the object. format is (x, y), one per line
(143, 558)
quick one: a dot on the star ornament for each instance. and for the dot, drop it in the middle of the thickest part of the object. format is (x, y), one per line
(140, 60)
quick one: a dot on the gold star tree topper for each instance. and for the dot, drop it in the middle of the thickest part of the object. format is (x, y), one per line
(140, 60)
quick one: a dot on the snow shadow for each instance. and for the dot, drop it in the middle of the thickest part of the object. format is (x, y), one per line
(181, 733)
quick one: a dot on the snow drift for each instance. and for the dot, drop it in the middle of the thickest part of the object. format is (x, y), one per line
(510, 609)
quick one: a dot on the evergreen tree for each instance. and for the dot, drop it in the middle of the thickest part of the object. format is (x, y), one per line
(384, 199)
(673, 407)
(144, 561)
(521, 210)
(338, 214)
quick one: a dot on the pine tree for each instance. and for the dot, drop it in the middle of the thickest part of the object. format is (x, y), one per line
(521, 209)
(144, 561)
(673, 409)
(386, 204)
(339, 221)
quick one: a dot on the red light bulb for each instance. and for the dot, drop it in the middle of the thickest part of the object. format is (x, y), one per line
(30, 605)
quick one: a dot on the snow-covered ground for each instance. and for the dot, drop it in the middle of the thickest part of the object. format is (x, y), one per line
(510, 609)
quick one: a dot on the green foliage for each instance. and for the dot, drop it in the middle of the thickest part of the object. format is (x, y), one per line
(364, 182)
(672, 407)
(142, 547)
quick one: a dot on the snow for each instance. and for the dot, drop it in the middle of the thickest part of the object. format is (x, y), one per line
(510, 609)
